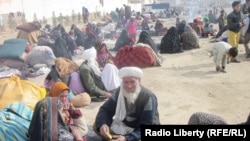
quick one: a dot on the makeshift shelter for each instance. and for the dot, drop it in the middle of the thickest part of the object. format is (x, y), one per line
(29, 31)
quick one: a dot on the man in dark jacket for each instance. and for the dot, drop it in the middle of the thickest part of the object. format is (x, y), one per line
(235, 24)
(131, 105)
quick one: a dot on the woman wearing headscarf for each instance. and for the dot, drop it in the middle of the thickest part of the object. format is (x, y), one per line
(158, 27)
(49, 122)
(146, 39)
(123, 40)
(170, 43)
(131, 27)
(61, 91)
(196, 26)
(189, 37)
(206, 30)
(78, 34)
(89, 41)
(103, 55)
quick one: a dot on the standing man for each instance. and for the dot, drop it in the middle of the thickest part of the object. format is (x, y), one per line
(85, 14)
(235, 24)
(221, 19)
(131, 105)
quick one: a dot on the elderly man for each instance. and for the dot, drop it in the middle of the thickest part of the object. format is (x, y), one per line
(131, 105)
(98, 83)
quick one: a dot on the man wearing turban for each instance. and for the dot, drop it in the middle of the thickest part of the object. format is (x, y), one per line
(130, 106)
(98, 84)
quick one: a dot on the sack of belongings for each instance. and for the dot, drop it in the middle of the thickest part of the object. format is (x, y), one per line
(134, 56)
(41, 55)
(15, 122)
(13, 89)
(29, 31)
(81, 100)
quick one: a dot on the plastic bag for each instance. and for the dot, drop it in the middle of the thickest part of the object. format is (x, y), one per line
(13, 89)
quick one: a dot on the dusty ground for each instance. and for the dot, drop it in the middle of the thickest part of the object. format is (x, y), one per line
(187, 83)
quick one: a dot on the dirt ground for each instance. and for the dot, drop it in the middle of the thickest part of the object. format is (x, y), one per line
(187, 83)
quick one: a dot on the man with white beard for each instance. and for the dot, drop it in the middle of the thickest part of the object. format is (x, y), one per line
(130, 106)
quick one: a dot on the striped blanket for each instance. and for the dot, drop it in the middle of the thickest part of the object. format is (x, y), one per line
(14, 122)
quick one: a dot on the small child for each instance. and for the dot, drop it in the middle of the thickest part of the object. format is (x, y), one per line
(73, 120)
(221, 52)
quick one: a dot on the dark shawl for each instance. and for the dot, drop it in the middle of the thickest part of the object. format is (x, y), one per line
(60, 48)
(45, 120)
(146, 39)
(79, 37)
(122, 41)
(170, 43)
(89, 41)
(158, 26)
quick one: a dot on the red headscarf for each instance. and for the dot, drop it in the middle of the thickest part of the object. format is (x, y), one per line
(196, 21)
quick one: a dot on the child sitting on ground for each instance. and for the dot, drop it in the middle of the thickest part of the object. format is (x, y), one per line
(61, 90)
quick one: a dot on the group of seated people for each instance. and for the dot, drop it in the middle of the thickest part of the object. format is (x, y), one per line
(119, 118)
(131, 104)
(179, 38)
(203, 28)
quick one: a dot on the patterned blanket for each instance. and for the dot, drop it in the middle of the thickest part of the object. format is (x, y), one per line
(134, 56)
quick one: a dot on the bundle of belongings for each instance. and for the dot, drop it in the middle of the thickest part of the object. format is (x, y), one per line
(67, 71)
(18, 55)
(140, 55)
(13, 89)
(12, 56)
(29, 31)
(15, 120)
(41, 55)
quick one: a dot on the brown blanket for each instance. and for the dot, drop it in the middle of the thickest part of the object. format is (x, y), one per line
(32, 37)
(65, 66)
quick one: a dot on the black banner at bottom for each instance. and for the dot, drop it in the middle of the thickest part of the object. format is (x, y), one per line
(196, 132)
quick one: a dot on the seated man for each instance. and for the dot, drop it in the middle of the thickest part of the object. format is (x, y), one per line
(98, 83)
(132, 105)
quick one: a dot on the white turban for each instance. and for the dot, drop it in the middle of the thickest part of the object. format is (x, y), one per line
(130, 71)
(90, 54)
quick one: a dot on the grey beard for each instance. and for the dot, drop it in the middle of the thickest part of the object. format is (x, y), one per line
(131, 97)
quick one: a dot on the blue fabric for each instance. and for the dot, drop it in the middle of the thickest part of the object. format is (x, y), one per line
(70, 95)
(224, 40)
(207, 28)
(181, 27)
(14, 122)
(13, 49)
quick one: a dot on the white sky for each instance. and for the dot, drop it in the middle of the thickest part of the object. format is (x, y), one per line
(45, 7)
